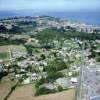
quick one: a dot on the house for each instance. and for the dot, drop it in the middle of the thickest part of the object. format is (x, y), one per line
(69, 73)
(16, 53)
(25, 63)
(34, 76)
(92, 61)
(42, 75)
(26, 81)
(95, 98)
(63, 82)
(73, 80)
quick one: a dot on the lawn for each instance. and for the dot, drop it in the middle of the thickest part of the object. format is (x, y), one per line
(4, 55)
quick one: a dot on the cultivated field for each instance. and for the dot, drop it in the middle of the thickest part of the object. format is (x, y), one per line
(26, 93)
(5, 86)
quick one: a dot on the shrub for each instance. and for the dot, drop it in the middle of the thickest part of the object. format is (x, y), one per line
(42, 57)
(44, 90)
(40, 82)
(60, 88)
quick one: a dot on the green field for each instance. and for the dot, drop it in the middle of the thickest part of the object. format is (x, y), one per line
(4, 55)
(5, 50)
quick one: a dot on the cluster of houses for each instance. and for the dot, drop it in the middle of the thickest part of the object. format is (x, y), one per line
(47, 22)
(17, 53)
(70, 50)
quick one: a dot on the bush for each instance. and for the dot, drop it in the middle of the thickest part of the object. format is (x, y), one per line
(98, 58)
(40, 82)
(60, 88)
(44, 90)
(20, 58)
(42, 57)
(75, 74)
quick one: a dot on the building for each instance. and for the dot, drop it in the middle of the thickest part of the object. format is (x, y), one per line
(95, 98)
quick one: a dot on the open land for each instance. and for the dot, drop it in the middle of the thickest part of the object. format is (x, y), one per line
(26, 93)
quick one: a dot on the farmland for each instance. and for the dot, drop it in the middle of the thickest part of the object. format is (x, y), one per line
(5, 86)
(26, 92)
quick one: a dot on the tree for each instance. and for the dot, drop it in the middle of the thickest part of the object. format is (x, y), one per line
(52, 76)
(42, 57)
(98, 58)
(44, 90)
(56, 65)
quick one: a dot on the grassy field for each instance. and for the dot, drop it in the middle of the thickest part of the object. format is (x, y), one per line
(21, 36)
(9, 47)
(26, 93)
(5, 50)
(4, 55)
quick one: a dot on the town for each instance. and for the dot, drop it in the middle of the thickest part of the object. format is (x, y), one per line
(46, 52)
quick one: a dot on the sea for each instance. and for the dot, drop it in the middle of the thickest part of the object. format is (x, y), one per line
(87, 17)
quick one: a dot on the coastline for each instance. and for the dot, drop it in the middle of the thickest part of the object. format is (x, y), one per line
(89, 18)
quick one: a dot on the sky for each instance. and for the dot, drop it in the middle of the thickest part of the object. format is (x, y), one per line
(50, 5)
